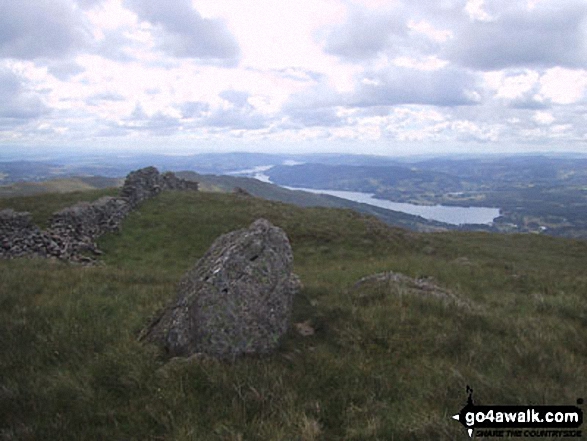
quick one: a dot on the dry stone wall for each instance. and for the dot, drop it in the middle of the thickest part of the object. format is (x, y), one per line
(72, 231)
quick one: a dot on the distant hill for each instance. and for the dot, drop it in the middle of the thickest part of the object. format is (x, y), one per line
(61, 185)
(371, 179)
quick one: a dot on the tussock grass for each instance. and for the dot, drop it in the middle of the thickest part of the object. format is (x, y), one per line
(380, 366)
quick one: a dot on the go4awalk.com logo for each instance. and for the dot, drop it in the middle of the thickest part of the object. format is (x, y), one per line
(521, 421)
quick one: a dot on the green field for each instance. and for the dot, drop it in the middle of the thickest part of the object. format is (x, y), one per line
(381, 366)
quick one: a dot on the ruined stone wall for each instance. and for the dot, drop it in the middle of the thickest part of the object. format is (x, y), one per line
(19, 237)
(148, 182)
(72, 231)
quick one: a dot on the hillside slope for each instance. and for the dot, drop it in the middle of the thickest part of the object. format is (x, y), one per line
(381, 365)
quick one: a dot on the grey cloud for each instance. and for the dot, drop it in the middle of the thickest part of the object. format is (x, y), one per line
(444, 87)
(364, 35)
(88, 4)
(157, 124)
(235, 97)
(546, 36)
(114, 46)
(529, 103)
(98, 98)
(32, 29)
(64, 70)
(235, 119)
(17, 104)
(184, 32)
(314, 117)
(191, 109)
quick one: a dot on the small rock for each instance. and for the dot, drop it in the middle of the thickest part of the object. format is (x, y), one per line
(305, 329)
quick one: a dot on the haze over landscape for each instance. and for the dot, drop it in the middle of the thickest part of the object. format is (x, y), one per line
(369, 76)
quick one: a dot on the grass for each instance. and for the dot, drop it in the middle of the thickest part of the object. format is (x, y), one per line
(381, 365)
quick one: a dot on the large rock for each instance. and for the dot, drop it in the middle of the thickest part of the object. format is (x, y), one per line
(236, 300)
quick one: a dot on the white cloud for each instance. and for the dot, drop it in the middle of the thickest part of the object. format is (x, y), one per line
(476, 11)
(430, 31)
(564, 86)
(545, 118)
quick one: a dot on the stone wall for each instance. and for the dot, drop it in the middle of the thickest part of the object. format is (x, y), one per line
(72, 231)
(19, 237)
(148, 182)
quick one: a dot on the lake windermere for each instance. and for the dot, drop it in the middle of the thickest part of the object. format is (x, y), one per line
(441, 213)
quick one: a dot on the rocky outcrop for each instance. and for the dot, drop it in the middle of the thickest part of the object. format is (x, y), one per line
(72, 231)
(236, 300)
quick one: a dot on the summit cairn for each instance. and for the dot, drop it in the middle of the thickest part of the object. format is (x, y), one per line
(236, 300)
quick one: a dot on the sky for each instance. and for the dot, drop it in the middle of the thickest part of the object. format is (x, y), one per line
(389, 77)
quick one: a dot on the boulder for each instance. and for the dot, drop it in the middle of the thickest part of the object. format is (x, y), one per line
(236, 300)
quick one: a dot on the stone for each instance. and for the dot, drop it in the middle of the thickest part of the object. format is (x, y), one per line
(305, 329)
(236, 300)
(391, 282)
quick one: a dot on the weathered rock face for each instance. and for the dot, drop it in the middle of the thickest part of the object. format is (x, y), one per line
(236, 300)
(73, 230)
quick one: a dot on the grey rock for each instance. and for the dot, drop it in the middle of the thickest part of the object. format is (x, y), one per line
(236, 300)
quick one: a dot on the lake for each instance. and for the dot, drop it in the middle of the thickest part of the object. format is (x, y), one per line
(442, 213)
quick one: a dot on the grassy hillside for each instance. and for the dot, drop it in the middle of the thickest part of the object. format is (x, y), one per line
(382, 365)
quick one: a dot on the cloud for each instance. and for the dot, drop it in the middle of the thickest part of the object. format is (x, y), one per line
(398, 85)
(238, 115)
(314, 117)
(191, 109)
(17, 104)
(235, 97)
(88, 4)
(364, 34)
(64, 70)
(544, 36)
(99, 98)
(158, 124)
(183, 32)
(406, 28)
(32, 29)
